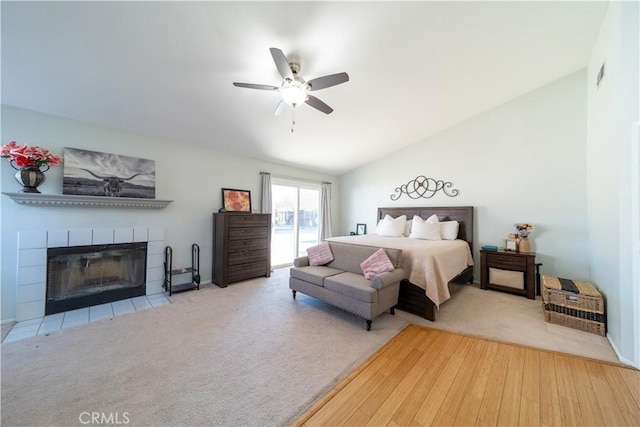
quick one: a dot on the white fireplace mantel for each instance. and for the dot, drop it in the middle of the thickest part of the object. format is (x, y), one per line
(59, 200)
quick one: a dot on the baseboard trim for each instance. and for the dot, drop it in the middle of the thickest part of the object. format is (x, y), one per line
(621, 358)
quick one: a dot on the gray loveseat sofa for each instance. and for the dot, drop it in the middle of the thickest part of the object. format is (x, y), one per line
(341, 282)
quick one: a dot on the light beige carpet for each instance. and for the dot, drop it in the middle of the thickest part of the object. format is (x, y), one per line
(246, 355)
(512, 318)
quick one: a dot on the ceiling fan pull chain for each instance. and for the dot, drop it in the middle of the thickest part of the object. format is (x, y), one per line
(293, 122)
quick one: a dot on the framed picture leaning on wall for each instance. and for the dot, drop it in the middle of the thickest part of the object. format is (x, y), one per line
(361, 228)
(236, 200)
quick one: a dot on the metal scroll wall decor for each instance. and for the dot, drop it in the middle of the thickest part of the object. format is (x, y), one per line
(423, 187)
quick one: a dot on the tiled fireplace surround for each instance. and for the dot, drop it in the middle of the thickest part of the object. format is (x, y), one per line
(32, 260)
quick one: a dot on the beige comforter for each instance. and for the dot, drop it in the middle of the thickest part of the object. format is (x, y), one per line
(431, 263)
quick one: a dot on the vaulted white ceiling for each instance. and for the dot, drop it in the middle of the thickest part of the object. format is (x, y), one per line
(166, 68)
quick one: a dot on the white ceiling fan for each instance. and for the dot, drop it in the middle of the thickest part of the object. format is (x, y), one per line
(294, 89)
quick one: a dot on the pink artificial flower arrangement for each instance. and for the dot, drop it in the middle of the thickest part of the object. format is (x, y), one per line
(26, 156)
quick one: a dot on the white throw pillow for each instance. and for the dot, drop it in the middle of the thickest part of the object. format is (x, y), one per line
(407, 228)
(449, 230)
(379, 226)
(433, 219)
(392, 227)
(425, 230)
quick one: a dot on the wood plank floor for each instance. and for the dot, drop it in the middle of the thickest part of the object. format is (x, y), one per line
(426, 377)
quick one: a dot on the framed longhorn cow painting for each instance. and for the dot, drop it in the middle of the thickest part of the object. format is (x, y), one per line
(92, 173)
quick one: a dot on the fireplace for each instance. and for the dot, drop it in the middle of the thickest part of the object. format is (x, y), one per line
(83, 276)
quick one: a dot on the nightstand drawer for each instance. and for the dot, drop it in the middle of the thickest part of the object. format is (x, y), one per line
(505, 271)
(507, 262)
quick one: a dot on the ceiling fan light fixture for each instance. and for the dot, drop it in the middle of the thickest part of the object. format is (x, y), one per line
(294, 90)
(293, 93)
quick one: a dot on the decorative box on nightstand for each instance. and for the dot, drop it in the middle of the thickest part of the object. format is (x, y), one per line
(506, 271)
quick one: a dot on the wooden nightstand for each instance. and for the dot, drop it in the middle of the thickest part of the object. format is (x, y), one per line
(513, 272)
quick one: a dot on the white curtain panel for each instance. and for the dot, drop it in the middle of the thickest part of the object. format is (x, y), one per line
(266, 192)
(325, 211)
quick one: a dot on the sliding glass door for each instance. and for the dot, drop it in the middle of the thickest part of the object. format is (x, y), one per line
(295, 216)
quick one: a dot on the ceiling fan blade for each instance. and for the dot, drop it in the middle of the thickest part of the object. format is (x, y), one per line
(281, 63)
(318, 105)
(327, 81)
(253, 86)
(280, 108)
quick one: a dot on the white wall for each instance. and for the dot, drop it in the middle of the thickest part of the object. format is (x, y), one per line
(613, 107)
(524, 161)
(190, 175)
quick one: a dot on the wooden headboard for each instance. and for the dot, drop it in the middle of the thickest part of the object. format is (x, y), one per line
(462, 214)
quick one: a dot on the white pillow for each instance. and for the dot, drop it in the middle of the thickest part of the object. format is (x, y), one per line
(392, 227)
(407, 228)
(425, 230)
(433, 219)
(449, 230)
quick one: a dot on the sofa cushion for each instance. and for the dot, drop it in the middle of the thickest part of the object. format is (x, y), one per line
(377, 263)
(352, 285)
(320, 254)
(313, 274)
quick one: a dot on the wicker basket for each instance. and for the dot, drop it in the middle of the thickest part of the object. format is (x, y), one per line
(574, 304)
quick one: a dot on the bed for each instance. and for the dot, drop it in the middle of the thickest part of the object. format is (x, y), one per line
(427, 286)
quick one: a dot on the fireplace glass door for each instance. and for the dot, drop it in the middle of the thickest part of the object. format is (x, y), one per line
(82, 276)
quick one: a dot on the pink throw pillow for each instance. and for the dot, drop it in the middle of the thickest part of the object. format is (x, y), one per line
(320, 254)
(377, 263)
